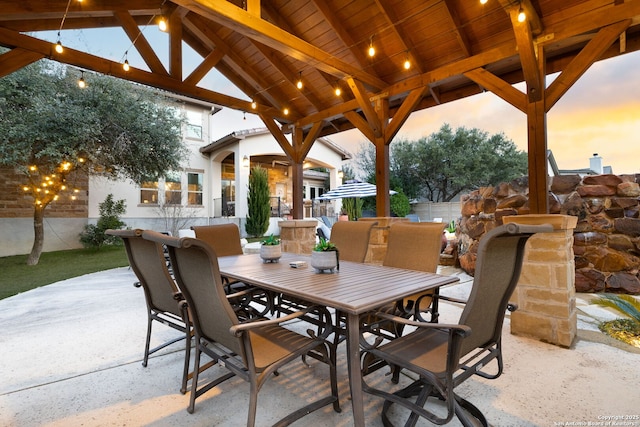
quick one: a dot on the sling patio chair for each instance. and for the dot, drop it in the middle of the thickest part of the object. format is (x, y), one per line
(252, 350)
(442, 356)
(148, 262)
(352, 239)
(416, 246)
(225, 241)
(412, 246)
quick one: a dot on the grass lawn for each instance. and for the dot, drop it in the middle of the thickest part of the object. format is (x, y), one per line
(18, 277)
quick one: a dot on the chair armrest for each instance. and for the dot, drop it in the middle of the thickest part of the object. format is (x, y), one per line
(452, 299)
(462, 330)
(238, 330)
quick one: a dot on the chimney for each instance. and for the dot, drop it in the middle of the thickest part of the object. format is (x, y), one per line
(595, 164)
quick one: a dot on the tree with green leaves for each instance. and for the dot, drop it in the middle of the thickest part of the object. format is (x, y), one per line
(259, 206)
(448, 162)
(51, 128)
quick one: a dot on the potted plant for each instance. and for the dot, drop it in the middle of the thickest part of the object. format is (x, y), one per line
(270, 249)
(325, 256)
(343, 215)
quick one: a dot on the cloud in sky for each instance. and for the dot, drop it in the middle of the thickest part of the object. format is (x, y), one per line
(599, 114)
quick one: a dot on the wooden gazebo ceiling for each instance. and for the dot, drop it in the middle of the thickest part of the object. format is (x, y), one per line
(457, 48)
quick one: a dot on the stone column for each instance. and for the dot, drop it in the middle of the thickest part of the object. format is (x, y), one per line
(298, 236)
(546, 290)
(379, 237)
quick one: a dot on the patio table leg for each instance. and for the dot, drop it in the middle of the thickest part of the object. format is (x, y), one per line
(353, 364)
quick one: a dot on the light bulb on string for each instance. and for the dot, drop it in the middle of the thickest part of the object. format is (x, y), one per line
(81, 83)
(286, 111)
(125, 64)
(162, 24)
(59, 47)
(254, 104)
(521, 15)
(338, 91)
(483, 1)
(299, 82)
(372, 50)
(407, 62)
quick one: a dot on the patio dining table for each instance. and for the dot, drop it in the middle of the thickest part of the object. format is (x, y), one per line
(354, 290)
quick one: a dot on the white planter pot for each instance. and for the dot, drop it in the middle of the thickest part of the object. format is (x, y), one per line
(270, 253)
(324, 260)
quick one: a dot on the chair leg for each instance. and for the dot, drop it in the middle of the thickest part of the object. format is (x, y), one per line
(145, 360)
(194, 380)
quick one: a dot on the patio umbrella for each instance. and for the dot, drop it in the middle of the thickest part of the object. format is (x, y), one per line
(351, 189)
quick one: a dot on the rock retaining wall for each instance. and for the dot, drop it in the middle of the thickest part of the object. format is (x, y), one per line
(607, 236)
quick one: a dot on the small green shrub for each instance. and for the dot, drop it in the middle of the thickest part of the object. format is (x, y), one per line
(324, 245)
(93, 235)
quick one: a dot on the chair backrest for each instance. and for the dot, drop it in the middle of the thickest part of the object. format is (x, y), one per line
(352, 239)
(195, 266)
(414, 245)
(223, 238)
(498, 266)
(148, 262)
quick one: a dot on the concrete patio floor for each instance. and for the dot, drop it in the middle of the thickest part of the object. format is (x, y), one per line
(71, 355)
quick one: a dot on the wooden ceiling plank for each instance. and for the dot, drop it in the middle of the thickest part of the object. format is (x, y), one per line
(403, 113)
(461, 36)
(363, 100)
(361, 124)
(241, 70)
(577, 24)
(499, 87)
(141, 44)
(258, 29)
(17, 58)
(341, 33)
(528, 59)
(581, 63)
(204, 67)
(391, 18)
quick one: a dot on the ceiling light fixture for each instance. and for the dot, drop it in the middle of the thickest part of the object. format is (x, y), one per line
(372, 50)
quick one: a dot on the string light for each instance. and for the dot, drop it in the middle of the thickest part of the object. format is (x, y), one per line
(58, 46)
(407, 62)
(254, 104)
(162, 24)
(286, 111)
(81, 83)
(338, 91)
(521, 15)
(372, 50)
(125, 64)
(483, 1)
(299, 82)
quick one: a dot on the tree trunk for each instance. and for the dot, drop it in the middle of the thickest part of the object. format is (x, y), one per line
(38, 235)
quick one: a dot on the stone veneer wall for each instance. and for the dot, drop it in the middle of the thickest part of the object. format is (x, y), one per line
(606, 239)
